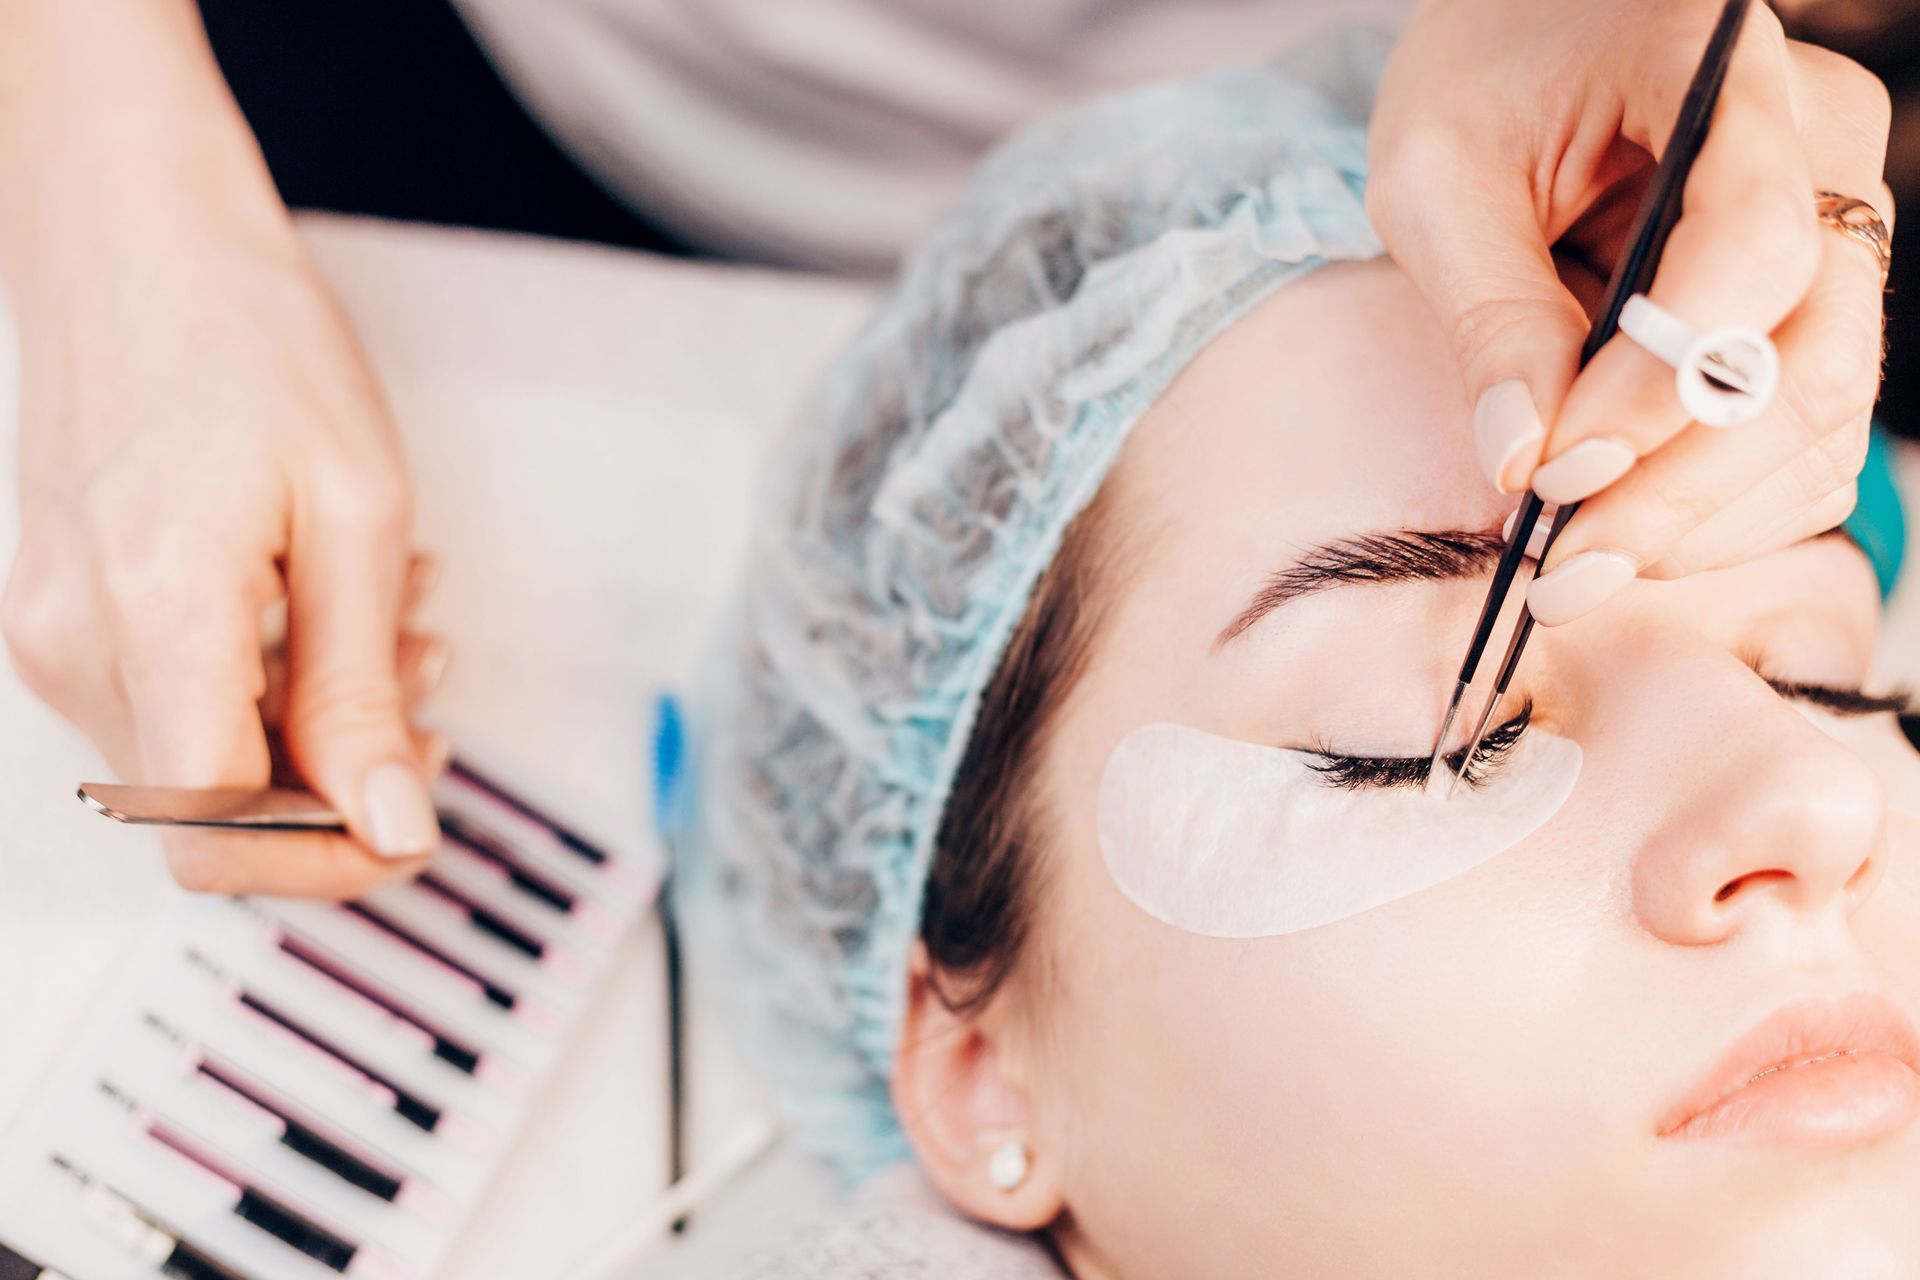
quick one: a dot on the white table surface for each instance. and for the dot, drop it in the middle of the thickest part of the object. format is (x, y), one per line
(583, 426)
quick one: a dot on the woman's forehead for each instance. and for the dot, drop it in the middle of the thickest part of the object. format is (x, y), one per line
(1334, 407)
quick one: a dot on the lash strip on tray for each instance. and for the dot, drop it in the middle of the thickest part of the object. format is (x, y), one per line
(465, 835)
(408, 1105)
(445, 1047)
(482, 917)
(493, 991)
(292, 1227)
(569, 839)
(306, 1140)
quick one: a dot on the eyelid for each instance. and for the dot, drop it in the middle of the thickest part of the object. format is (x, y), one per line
(1350, 771)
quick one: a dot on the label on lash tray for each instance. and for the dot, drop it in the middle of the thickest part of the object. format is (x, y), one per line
(1233, 839)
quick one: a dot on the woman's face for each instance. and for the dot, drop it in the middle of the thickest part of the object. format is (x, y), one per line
(1483, 1076)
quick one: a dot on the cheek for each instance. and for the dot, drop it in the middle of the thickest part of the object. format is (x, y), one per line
(1888, 924)
(1383, 1041)
(1445, 1040)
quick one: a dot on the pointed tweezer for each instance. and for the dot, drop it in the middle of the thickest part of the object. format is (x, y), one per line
(1659, 210)
(1510, 663)
(1510, 557)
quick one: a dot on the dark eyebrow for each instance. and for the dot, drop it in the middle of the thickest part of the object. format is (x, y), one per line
(1846, 702)
(1403, 555)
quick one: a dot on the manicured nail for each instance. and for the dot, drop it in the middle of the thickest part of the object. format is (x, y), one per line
(400, 815)
(1583, 470)
(1579, 586)
(1537, 540)
(432, 668)
(1507, 433)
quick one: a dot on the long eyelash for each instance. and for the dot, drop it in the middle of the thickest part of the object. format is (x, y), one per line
(1352, 773)
(1846, 702)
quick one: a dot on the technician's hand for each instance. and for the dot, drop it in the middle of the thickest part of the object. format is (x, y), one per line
(201, 438)
(1507, 127)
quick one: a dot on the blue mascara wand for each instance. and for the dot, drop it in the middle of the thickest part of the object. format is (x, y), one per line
(669, 774)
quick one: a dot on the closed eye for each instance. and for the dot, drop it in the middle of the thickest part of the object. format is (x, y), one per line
(1354, 773)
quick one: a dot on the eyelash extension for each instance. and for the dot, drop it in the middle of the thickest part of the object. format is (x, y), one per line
(1354, 773)
(1846, 702)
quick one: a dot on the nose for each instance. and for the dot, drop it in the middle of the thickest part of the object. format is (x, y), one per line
(1772, 816)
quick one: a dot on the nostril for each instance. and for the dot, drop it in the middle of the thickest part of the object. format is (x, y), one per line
(1739, 883)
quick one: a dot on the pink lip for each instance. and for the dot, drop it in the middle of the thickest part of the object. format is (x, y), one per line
(1820, 1073)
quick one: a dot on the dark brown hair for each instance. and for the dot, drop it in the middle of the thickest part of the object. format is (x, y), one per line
(979, 904)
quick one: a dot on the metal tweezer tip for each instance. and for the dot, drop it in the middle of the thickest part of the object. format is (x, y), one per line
(1446, 726)
(1473, 743)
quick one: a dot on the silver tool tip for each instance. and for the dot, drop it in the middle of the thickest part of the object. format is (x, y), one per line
(1446, 726)
(1473, 743)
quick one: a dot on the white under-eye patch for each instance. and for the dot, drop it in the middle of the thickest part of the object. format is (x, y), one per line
(1237, 840)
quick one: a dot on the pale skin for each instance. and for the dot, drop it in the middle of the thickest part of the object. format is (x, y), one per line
(1470, 1080)
(201, 435)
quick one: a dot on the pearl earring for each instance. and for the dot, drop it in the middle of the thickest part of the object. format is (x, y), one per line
(1007, 1166)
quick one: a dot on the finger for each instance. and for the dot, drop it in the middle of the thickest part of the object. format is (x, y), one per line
(273, 702)
(1746, 482)
(1756, 524)
(1745, 251)
(296, 865)
(346, 727)
(193, 686)
(1475, 248)
(193, 676)
(421, 659)
(1700, 502)
(60, 643)
(423, 662)
(433, 751)
(1846, 116)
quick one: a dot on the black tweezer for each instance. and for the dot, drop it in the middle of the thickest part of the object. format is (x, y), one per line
(1659, 211)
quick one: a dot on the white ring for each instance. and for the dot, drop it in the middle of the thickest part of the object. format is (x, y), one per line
(1704, 362)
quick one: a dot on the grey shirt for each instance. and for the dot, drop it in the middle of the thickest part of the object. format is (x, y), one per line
(828, 133)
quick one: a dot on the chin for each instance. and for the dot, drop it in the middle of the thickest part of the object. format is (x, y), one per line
(1852, 1216)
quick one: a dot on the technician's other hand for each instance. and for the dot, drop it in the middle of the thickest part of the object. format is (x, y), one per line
(1506, 128)
(201, 438)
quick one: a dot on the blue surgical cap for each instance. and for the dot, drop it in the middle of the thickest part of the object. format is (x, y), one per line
(927, 486)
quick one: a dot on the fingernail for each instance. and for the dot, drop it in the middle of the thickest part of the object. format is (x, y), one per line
(1583, 470)
(1536, 540)
(399, 812)
(1579, 586)
(434, 656)
(1507, 433)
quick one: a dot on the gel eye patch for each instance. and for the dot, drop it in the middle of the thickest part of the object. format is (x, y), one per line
(1236, 840)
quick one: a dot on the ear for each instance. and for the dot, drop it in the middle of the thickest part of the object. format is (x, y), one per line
(960, 1092)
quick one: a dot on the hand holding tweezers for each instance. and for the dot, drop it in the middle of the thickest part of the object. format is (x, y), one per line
(1633, 274)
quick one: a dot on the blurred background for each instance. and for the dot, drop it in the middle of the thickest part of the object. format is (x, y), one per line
(389, 108)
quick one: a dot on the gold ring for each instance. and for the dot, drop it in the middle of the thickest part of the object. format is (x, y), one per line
(1857, 220)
